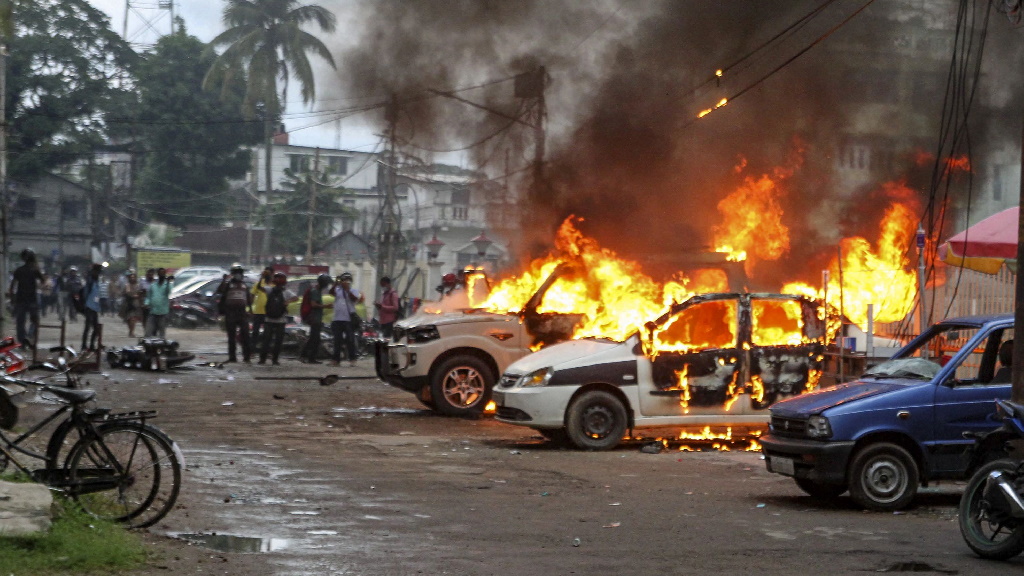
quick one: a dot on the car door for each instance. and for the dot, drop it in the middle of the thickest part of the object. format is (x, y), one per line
(694, 362)
(786, 343)
(965, 398)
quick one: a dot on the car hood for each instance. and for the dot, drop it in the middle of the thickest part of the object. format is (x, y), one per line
(453, 317)
(820, 400)
(561, 353)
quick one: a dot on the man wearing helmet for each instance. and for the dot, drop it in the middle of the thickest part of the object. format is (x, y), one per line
(23, 293)
(315, 320)
(275, 316)
(235, 301)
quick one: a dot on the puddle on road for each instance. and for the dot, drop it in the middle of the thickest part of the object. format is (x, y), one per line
(373, 410)
(230, 543)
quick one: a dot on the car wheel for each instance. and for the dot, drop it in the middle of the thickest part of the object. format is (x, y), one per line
(461, 386)
(883, 477)
(596, 421)
(820, 490)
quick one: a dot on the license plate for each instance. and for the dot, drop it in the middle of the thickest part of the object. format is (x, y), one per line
(498, 397)
(782, 466)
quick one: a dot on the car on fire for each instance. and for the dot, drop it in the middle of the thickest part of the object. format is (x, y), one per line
(906, 422)
(714, 359)
(451, 360)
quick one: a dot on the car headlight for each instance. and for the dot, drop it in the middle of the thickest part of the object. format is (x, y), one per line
(422, 334)
(537, 378)
(818, 427)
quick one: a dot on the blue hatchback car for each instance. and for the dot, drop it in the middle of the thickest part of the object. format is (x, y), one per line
(901, 424)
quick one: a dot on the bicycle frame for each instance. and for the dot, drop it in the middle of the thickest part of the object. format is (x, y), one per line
(8, 444)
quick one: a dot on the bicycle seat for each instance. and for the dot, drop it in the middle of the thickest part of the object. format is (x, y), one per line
(71, 396)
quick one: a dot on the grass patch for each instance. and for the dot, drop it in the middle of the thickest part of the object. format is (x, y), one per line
(77, 543)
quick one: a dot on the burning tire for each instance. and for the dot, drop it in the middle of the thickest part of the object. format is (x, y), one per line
(596, 421)
(883, 477)
(461, 386)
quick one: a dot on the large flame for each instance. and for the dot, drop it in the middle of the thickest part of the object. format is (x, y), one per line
(752, 224)
(878, 274)
(613, 293)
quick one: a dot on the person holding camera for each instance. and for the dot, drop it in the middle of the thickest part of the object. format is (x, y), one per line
(346, 321)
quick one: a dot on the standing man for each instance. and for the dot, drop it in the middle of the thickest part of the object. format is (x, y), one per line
(145, 283)
(72, 286)
(260, 290)
(236, 298)
(277, 300)
(92, 300)
(387, 307)
(315, 320)
(158, 300)
(23, 292)
(345, 321)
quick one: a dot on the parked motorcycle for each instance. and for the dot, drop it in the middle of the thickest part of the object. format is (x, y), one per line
(187, 313)
(12, 357)
(992, 507)
(296, 335)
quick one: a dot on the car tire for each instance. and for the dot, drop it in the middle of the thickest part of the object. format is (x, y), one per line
(596, 421)
(883, 477)
(820, 490)
(461, 386)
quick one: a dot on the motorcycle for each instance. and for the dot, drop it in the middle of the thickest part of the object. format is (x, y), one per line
(12, 357)
(992, 506)
(296, 335)
(191, 314)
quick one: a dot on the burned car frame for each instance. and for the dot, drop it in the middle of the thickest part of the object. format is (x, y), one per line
(715, 359)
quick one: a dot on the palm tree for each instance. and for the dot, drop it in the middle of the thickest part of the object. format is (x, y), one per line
(266, 45)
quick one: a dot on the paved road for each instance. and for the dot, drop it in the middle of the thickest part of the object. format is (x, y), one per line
(358, 478)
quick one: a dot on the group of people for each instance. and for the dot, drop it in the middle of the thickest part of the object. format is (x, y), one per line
(265, 305)
(135, 300)
(146, 301)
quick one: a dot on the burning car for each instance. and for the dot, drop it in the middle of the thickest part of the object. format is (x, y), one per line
(451, 360)
(714, 359)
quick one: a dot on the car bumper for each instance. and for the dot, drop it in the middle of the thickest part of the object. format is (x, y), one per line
(396, 365)
(540, 407)
(813, 460)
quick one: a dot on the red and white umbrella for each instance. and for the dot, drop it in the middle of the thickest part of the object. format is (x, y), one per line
(987, 245)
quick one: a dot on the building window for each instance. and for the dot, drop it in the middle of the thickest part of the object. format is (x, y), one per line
(460, 196)
(299, 163)
(337, 165)
(460, 213)
(25, 208)
(72, 209)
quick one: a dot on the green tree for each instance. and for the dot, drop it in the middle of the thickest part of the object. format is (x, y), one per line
(193, 140)
(68, 83)
(292, 218)
(265, 44)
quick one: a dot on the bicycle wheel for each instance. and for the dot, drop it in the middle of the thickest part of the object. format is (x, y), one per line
(129, 472)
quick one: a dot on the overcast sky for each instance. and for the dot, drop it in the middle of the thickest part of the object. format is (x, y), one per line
(203, 20)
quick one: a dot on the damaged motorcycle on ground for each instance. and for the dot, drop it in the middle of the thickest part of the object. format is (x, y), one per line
(992, 507)
(154, 354)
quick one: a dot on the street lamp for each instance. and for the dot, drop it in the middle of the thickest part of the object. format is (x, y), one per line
(434, 248)
(482, 243)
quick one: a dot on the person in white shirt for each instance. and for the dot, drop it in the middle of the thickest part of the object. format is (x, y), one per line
(345, 321)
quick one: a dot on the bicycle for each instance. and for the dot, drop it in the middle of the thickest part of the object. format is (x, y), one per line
(115, 466)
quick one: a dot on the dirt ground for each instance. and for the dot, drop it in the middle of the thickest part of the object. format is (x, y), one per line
(285, 477)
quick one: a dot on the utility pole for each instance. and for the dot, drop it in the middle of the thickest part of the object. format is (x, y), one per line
(4, 208)
(312, 207)
(531, 85)
(389, 232)
(1017, 393)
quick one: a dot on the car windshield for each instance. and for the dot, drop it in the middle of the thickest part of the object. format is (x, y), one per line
(924, 360)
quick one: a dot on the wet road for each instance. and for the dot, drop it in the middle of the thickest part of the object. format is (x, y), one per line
(286, 477)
